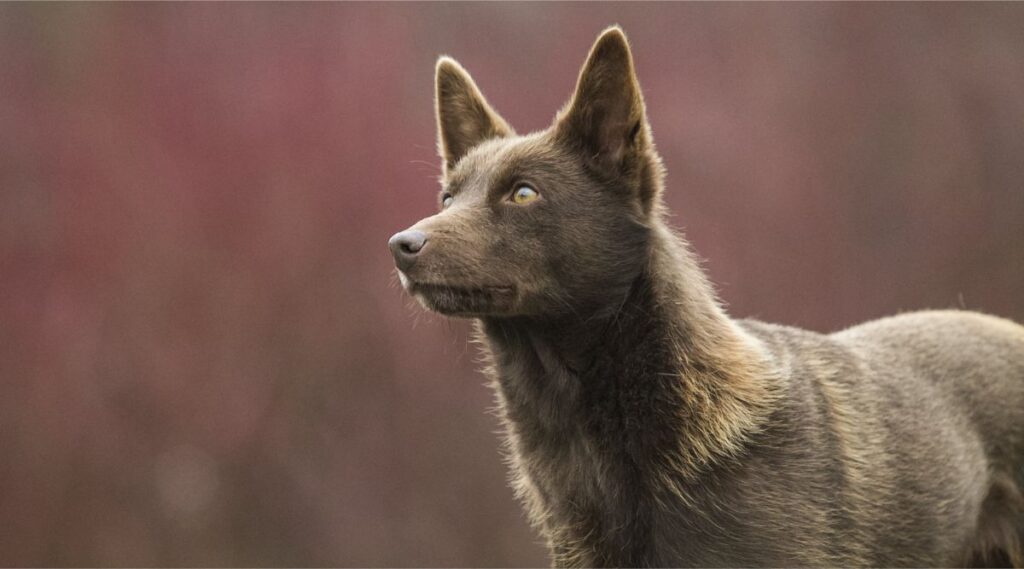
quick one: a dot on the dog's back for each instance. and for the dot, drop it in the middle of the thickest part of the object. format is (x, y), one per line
(973, 362)
(970, 367)
(926, 404)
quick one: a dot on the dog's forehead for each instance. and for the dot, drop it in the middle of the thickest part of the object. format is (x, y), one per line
(496, 157)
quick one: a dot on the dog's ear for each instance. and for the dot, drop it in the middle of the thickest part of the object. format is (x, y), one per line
(605, 119)
(464, 119)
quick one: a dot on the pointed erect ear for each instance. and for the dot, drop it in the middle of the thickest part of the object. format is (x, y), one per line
(464, 119)
(605, 118)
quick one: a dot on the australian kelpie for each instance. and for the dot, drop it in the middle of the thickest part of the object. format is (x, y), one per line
(645, 427)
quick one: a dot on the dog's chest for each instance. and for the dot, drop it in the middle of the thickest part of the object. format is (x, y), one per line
(580, 452)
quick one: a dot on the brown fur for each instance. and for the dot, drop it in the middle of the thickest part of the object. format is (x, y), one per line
(644, 426)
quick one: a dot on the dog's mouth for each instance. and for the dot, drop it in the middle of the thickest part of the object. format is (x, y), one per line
(465, 301)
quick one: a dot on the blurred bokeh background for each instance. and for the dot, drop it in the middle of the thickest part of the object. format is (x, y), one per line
(204, 356)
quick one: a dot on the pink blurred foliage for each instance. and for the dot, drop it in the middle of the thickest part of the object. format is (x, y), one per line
(205, 358)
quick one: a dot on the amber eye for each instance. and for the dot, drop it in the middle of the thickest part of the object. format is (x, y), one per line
(446, 200)
(524, 195)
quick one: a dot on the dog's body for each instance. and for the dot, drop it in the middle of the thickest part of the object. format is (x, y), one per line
(645, 427)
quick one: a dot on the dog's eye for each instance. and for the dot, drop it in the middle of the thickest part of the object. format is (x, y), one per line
(446, 200)
(524, 195)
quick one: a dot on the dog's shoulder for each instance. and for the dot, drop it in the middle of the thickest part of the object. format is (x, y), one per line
(793, 349)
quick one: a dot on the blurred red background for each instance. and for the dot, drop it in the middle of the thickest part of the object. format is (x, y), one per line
(204, 356)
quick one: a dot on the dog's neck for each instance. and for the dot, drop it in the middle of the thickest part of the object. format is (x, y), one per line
(667, 336)
(663, 385)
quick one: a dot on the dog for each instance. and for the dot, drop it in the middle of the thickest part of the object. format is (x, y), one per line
(644, 426)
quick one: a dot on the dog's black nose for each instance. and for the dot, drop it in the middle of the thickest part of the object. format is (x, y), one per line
(405, 245)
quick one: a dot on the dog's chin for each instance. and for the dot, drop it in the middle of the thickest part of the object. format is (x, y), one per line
(464, 301)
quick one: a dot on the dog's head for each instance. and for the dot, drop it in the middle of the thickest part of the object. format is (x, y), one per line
(549, 223)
